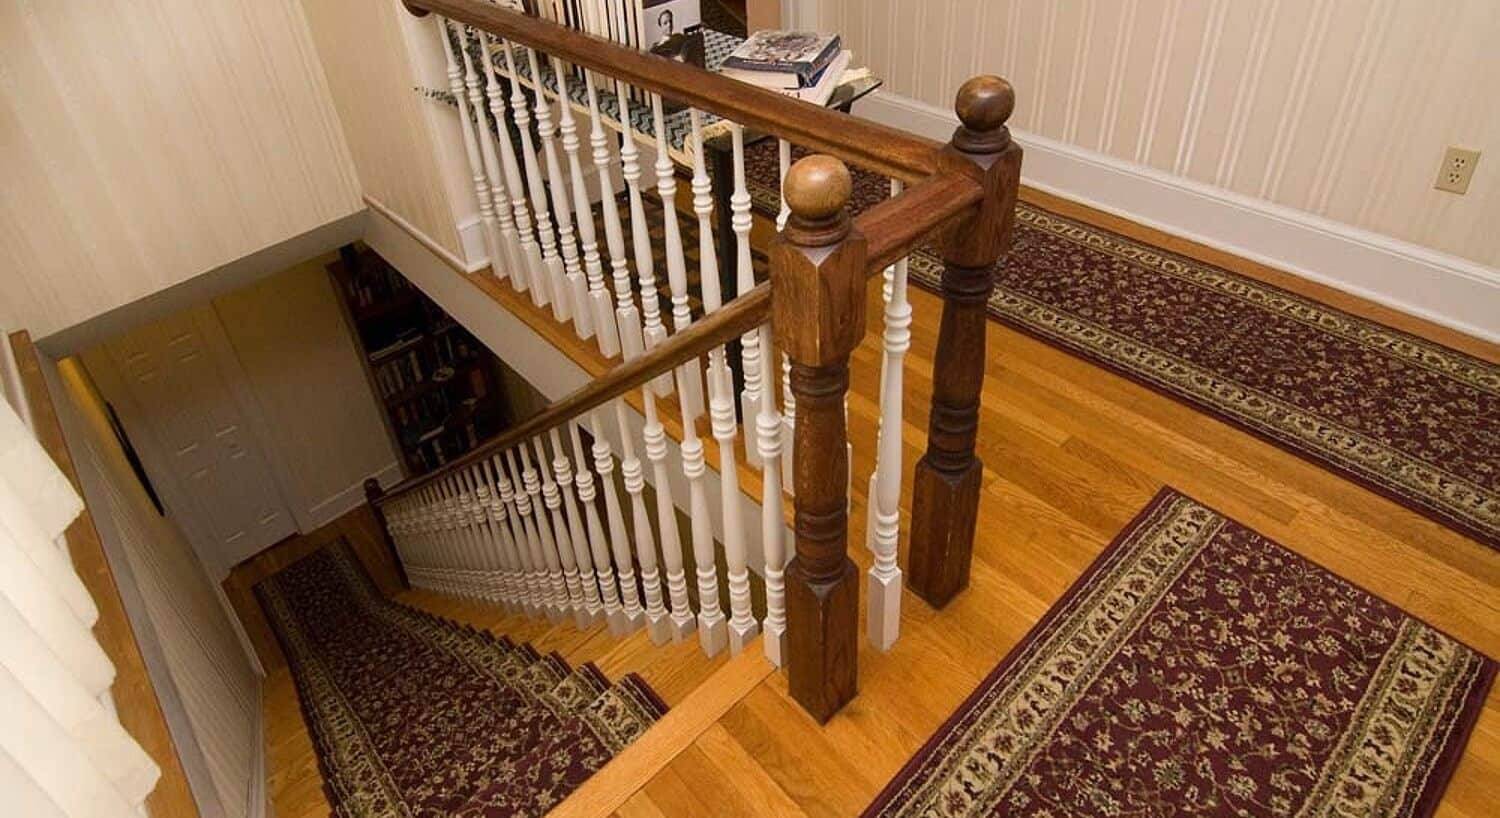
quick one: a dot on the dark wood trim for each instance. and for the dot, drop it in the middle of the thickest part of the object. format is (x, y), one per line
(897, 226)
(880, 148)
(735, 319)
(945, 488)
(818, 268)
(136, 703)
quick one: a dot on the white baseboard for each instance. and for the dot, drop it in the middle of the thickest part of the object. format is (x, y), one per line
(349, 498)
(1416, 280)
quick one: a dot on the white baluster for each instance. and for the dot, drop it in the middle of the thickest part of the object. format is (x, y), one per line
(453, 559)
(527, 543)
(750, 350)
(884, 586)
(683, 622)
(464, 522)
(560, 534)
(627, 317)
(600, 307)
(592, 609)
(609, 592)
(552, 286)
(547, 560)
(653, 332)
(658, 621)
(619, 536)
(689, 375)
(502, 226)
(530, 267)
(512, 590)
(491, 572)
(784, 159)
(713, 631)
(471, 146)
(772, 521)
(742, 624)
(562, 211)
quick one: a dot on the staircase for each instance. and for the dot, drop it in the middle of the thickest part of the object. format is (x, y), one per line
(536, 520)
(415, 711)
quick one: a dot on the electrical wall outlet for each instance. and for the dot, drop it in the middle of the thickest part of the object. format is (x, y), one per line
(1457, 170)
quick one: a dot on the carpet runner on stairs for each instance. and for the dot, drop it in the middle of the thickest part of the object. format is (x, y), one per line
(1414, 420)
(415, 716)
(1199, 669)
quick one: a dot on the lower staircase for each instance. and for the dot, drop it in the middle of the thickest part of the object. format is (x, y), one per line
(415, 714)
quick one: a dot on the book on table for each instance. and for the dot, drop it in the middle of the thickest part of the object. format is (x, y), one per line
(783, 60)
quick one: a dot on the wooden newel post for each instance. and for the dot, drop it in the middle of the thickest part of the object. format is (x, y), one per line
(818, 316)
(945, 498)
(373, 493)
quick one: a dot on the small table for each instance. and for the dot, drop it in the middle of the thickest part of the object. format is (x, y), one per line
(718, 153)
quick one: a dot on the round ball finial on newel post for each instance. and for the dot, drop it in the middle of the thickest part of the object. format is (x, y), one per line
(817, 190)
(984, 105)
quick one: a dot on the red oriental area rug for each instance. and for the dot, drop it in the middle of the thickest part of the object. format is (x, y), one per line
(1413, 420)
(1199, 669)
(415, 716)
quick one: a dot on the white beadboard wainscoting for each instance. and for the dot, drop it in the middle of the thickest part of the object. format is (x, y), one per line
(1305, 135)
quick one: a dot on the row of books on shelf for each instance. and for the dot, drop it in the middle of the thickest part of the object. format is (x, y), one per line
(374, 286)
(440, 448)
(436, 362)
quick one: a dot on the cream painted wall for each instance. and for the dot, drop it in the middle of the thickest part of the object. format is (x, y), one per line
(149, 141)
(1340, 108)
(211, 691)
(374, 55)
(304, 370)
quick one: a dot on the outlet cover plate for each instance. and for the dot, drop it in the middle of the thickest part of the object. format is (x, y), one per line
(1457, 170)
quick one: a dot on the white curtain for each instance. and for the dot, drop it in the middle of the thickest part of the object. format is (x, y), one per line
(62, 751)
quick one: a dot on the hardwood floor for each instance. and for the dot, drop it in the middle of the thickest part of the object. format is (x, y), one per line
(1071, 453)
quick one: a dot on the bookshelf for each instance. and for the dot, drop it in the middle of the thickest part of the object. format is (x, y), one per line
(441, 391)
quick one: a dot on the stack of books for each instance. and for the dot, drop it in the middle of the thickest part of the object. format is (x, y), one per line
(801, 64)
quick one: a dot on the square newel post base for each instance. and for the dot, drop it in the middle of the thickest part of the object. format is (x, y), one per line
(945, 508)
(822, 639)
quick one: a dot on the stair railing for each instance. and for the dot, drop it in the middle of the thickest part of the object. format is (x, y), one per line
(496, 524)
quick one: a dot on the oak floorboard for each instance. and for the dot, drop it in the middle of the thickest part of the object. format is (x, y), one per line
(1071, 452)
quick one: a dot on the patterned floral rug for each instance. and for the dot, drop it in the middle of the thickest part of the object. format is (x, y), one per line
(1198, 668)
(414, 716)
(1413, 420)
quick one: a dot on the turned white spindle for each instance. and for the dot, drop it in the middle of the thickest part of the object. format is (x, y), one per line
(690, 374)
(557, 588)
(502, 227)
(601, 307)
(750, 348)
(742, 624)
(560, 533)
(458, 543)
(530, 267)
(592, 609)
(442, 543)
(609, 592)
(486, 569)
(553, 286)
(681, 606)
(713, 630)
(619, 536)
(510, 586)
(658, 622)
(627, 317)
(421, 528)
(519, 506)
(884, 527)
(482, 191)
(562, 210)
(772, 521)
(653, 331)
(472, 567)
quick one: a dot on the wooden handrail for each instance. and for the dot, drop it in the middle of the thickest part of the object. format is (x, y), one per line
(135, 699)
(896, 226)
(880, 148)
(736, 318)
